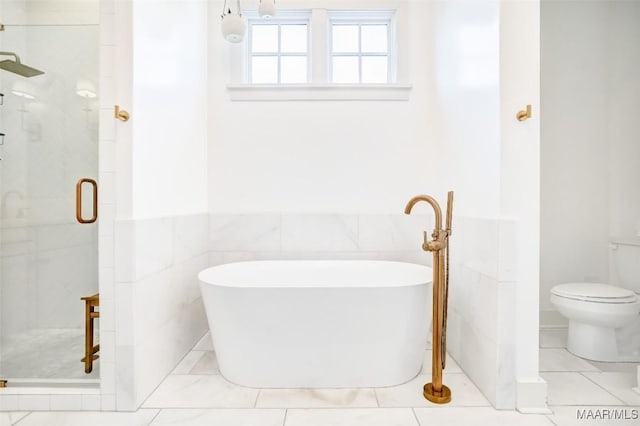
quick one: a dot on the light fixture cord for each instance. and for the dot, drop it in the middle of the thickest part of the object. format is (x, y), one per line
(224, 9)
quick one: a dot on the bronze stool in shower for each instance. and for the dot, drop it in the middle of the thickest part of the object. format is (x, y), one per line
(90, 313)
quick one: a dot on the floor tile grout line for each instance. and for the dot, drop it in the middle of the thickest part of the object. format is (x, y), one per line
(255, 403)
(597, 369)
(602, 387)
(155, 416)
(548, 416)
(22, 418)
(415, 415)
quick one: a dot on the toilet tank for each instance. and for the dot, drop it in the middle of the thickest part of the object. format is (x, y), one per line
(625, 264)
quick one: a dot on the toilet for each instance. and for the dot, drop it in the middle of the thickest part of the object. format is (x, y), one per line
(604, 319)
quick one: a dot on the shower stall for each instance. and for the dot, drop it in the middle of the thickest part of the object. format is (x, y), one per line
(48, 142)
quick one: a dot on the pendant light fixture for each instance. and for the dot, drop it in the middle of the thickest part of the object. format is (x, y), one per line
(233, 24)
(267, 9)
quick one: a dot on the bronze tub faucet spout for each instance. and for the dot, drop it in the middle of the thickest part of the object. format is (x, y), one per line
(439, 245)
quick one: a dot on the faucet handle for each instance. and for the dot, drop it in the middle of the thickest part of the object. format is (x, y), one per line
(425, 241)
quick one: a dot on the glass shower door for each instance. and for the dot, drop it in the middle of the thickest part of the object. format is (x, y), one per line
(48, 260)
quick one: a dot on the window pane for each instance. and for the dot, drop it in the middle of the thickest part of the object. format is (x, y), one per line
(264, 69)
(264, 38)
(374, 69)
(344, 38)
(293, 69)
(345, 69)
(293, 38)
(374, 38)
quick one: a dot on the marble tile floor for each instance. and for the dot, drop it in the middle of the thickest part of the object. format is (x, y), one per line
(45, 354)
(196, 394)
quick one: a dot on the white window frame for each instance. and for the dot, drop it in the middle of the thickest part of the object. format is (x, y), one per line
(297, 17)
(319, 87)
(362, 18)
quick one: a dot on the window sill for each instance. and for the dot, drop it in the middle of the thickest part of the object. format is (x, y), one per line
(320, 92)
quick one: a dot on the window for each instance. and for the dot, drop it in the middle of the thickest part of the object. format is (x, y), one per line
(360, 48)
(323, 54)
(279, 50)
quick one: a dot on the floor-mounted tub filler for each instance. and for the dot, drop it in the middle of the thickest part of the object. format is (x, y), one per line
(435, 391)
(318, 323)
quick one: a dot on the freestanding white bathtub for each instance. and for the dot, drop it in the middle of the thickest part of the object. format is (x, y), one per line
(318, 324)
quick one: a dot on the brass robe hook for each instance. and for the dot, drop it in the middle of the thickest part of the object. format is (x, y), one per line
(121, 115)
(523, 115)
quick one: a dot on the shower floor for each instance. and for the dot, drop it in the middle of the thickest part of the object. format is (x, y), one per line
(45, 354)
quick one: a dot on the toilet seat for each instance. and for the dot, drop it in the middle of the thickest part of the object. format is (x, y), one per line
(594, 292)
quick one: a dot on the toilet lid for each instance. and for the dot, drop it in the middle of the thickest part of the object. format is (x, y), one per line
(602, 293)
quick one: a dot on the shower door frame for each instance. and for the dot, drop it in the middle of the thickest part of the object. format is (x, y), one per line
(98, 394)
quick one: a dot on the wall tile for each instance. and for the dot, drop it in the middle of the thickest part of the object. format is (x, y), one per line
(153, 246)
(125, 315)
(125, 379)
(507, 250)
(105, 251)
(108, 376)
(66, 402)
(8, 402)
(107, 30)
(106, 277)
(106, 218)
(107, 129)
(107, 55)
(107, 156)
(393, 232)
(107, 346)
(244, 232)
(306, 232)
(107, 314)
(190, 236)
(481, 246)
(34, 403)
(91, 402)
(124, 240)
(107, 7)
(108, 402)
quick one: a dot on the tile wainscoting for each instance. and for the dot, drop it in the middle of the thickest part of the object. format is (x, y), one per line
(483, 272)
(159, 314)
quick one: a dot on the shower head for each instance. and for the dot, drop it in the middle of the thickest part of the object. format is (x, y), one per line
(17, 67)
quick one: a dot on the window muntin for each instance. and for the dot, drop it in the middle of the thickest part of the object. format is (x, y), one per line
(360, 48)
(278, 51)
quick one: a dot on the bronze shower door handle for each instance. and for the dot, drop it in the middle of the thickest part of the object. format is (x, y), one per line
(79, 217)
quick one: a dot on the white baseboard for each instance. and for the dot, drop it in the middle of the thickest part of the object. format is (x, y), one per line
(531, 396)
(552, 319)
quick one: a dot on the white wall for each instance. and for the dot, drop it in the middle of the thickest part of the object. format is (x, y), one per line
(465, 81)
(169, 111)
(575, 93)
(487, 58)
(624, 108)
(589, 139)
(155, 57)
(318, 157)
(520, 191)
